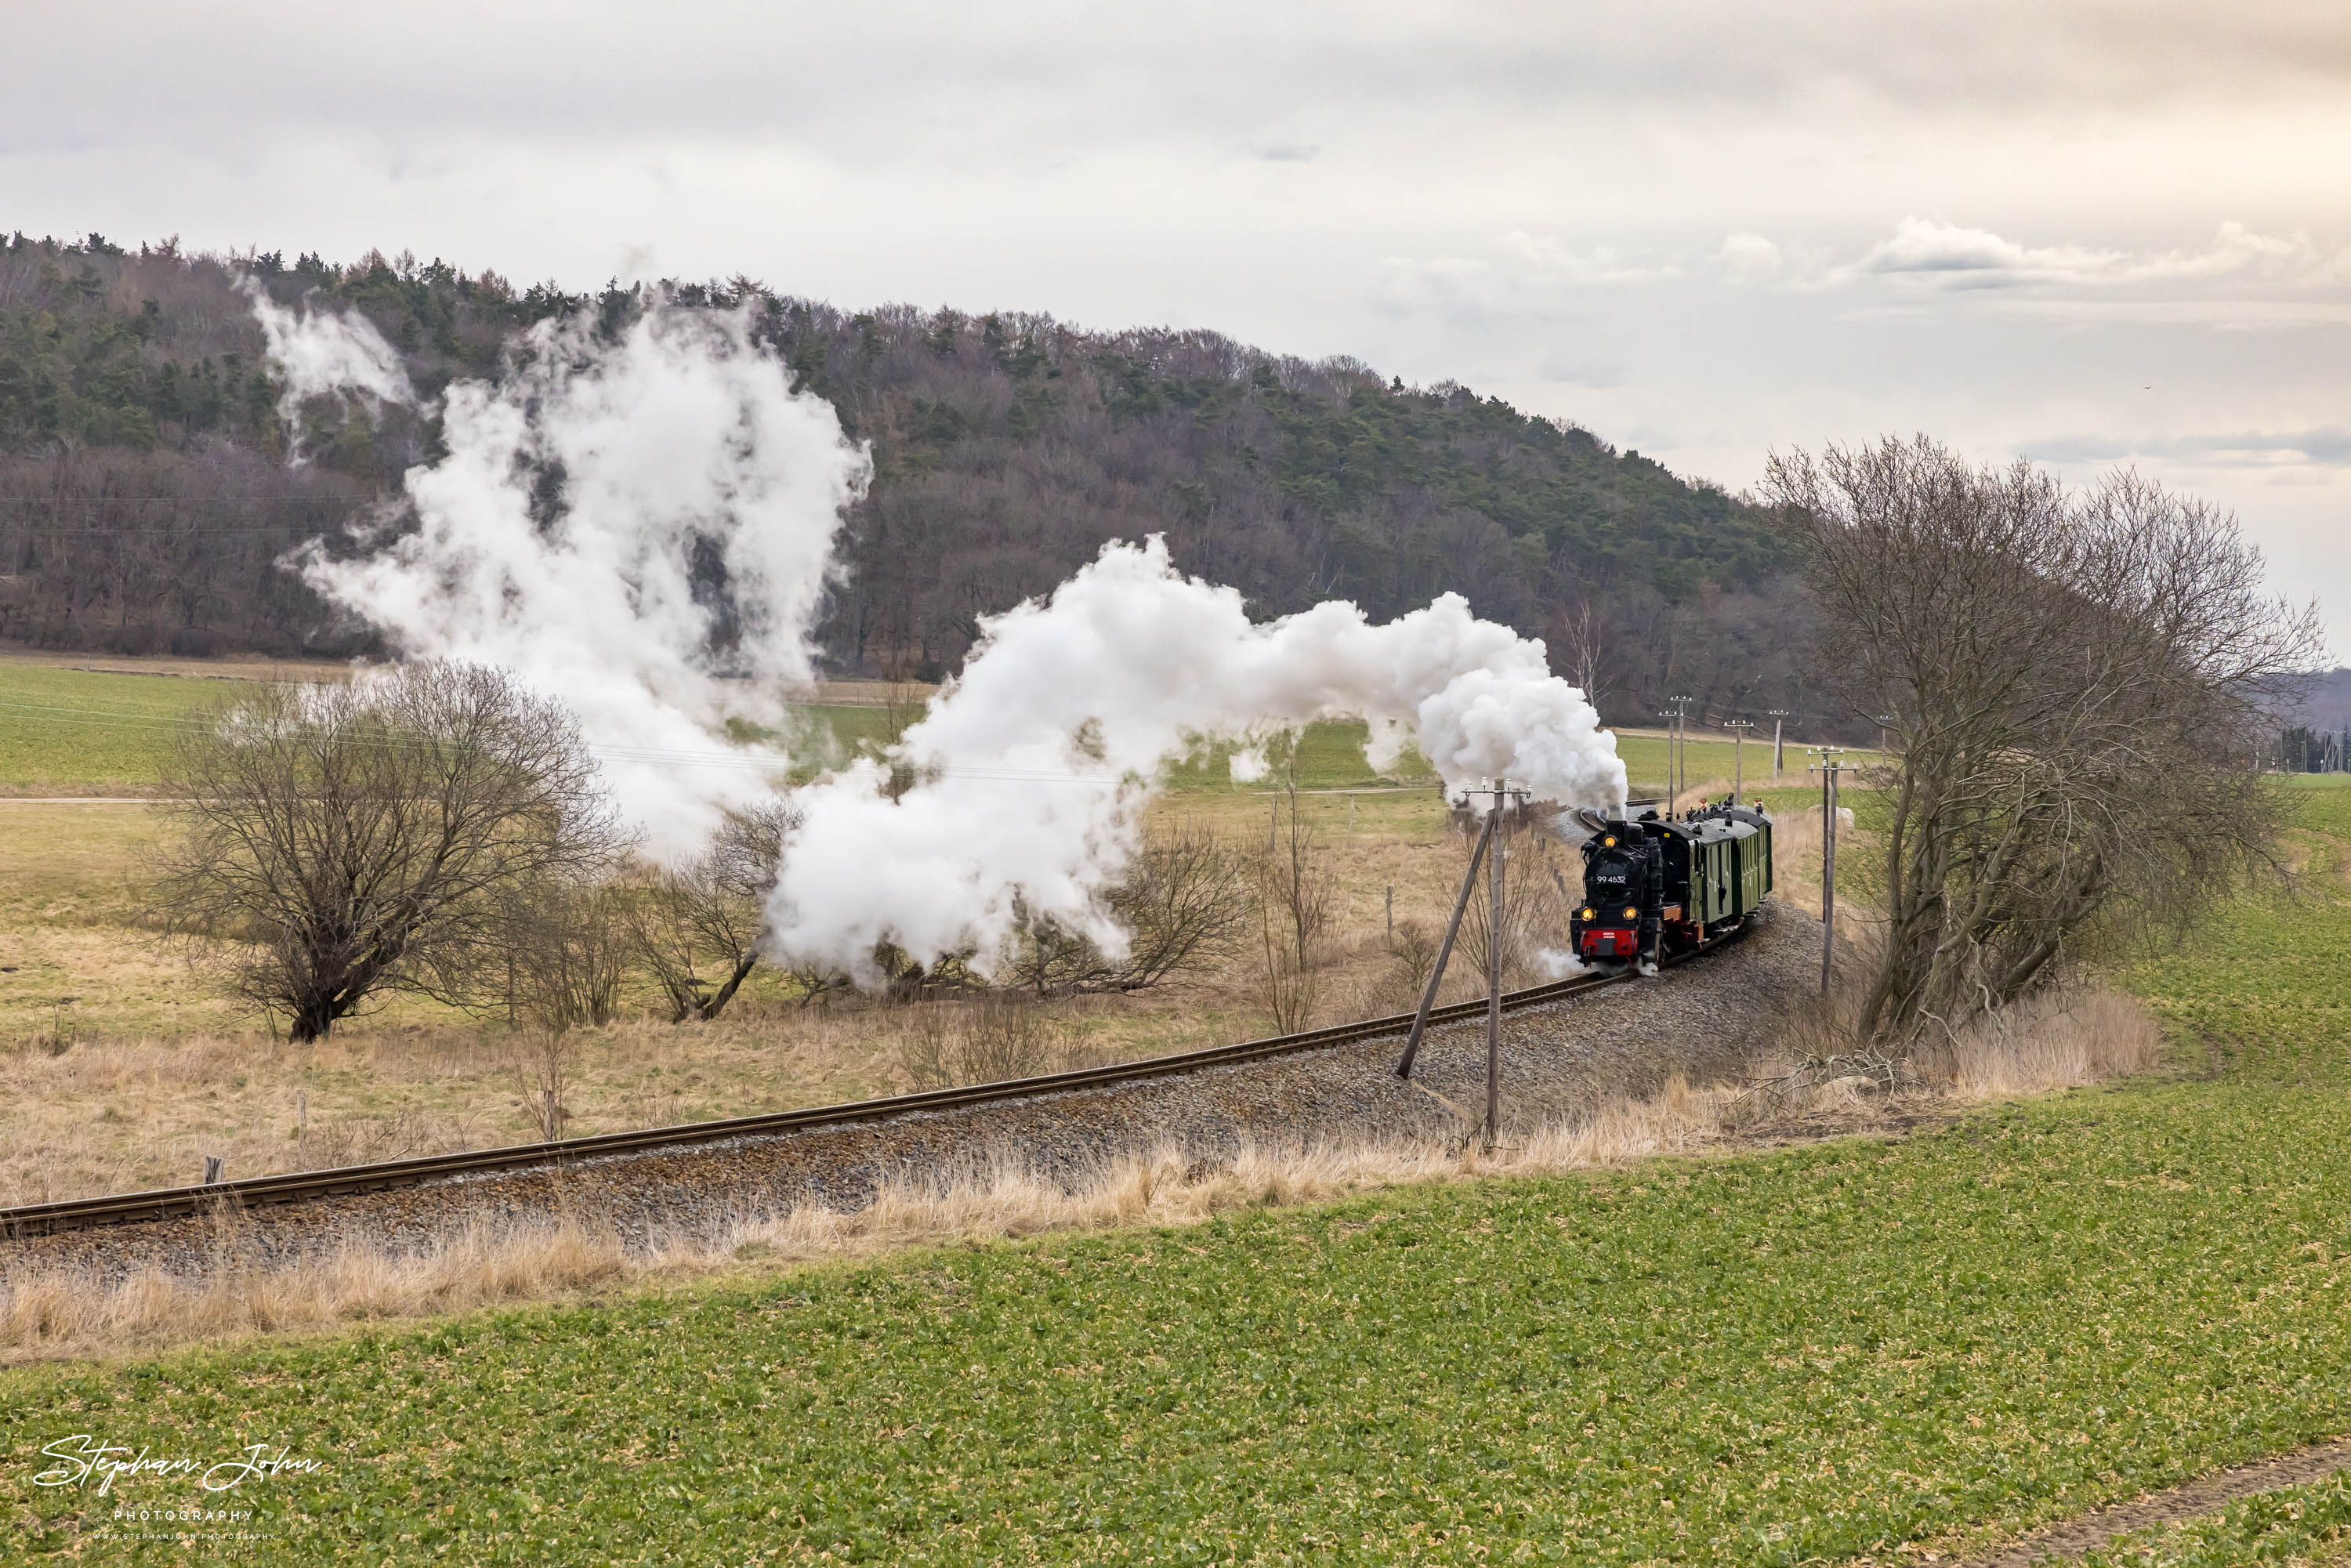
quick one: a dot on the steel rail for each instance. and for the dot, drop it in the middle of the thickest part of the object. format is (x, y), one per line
(296, 1186)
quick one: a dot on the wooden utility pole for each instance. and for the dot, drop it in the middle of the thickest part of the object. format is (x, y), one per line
(1668, 715)
(1681, 737)
(1494, 965)
(1491, 838)
(1494, 975)
(1778, 717)
(1828, 768)
(1677, 750)
(1738, 728)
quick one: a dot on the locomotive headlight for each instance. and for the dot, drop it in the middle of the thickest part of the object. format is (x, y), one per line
(1631, 912)
(1609, 842)
(1586, 915)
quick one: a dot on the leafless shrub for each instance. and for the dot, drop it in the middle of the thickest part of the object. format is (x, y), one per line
(2080, 688)
(544, 1062)
(943, 1045)
(62, 1030)
(359, 840)
(1412, 954)
(813, 981)
(904, 703)
(364, 1140)
(1183, 902)
(568, 950)
(1534, 903)
(698, 928)
(1294, 888)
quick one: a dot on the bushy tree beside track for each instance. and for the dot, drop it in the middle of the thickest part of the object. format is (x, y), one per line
(2080, 688)
(352, 840)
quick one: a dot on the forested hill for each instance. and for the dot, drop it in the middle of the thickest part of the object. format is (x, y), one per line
(145, 500)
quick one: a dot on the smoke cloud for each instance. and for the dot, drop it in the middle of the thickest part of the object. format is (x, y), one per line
(643, 528)
(317, 353)
(1034, 764)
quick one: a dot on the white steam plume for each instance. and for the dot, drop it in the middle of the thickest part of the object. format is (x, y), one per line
(1035, 762)
(686, 500)
(624, 525)
(316, 353)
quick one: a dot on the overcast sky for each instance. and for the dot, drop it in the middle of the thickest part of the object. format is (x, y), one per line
(2084, 233)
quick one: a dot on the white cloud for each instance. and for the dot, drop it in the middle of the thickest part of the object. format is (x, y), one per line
(1951, 255)
(1748, 257)
(1524, 278)
(1546, 260)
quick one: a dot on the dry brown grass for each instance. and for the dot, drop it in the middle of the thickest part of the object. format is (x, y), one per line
(113, 1114)
(2058, 1039)
(61, 1312)
(2059, 1043)
(156, 1073)
(140, 1096)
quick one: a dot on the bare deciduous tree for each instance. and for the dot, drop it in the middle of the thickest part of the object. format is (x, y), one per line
(698, 928)
(1182, 903)
(2078, 686)
(360, 840)
(1581, 643)
(544, 1062)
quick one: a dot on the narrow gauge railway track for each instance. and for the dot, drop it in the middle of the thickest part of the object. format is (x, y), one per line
(297, 1187)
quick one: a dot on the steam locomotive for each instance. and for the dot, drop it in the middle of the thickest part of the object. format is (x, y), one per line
(1655, 886)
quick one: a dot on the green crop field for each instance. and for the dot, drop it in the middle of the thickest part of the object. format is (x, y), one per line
(80, 732)
(87, 732)
(1787, 1358)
